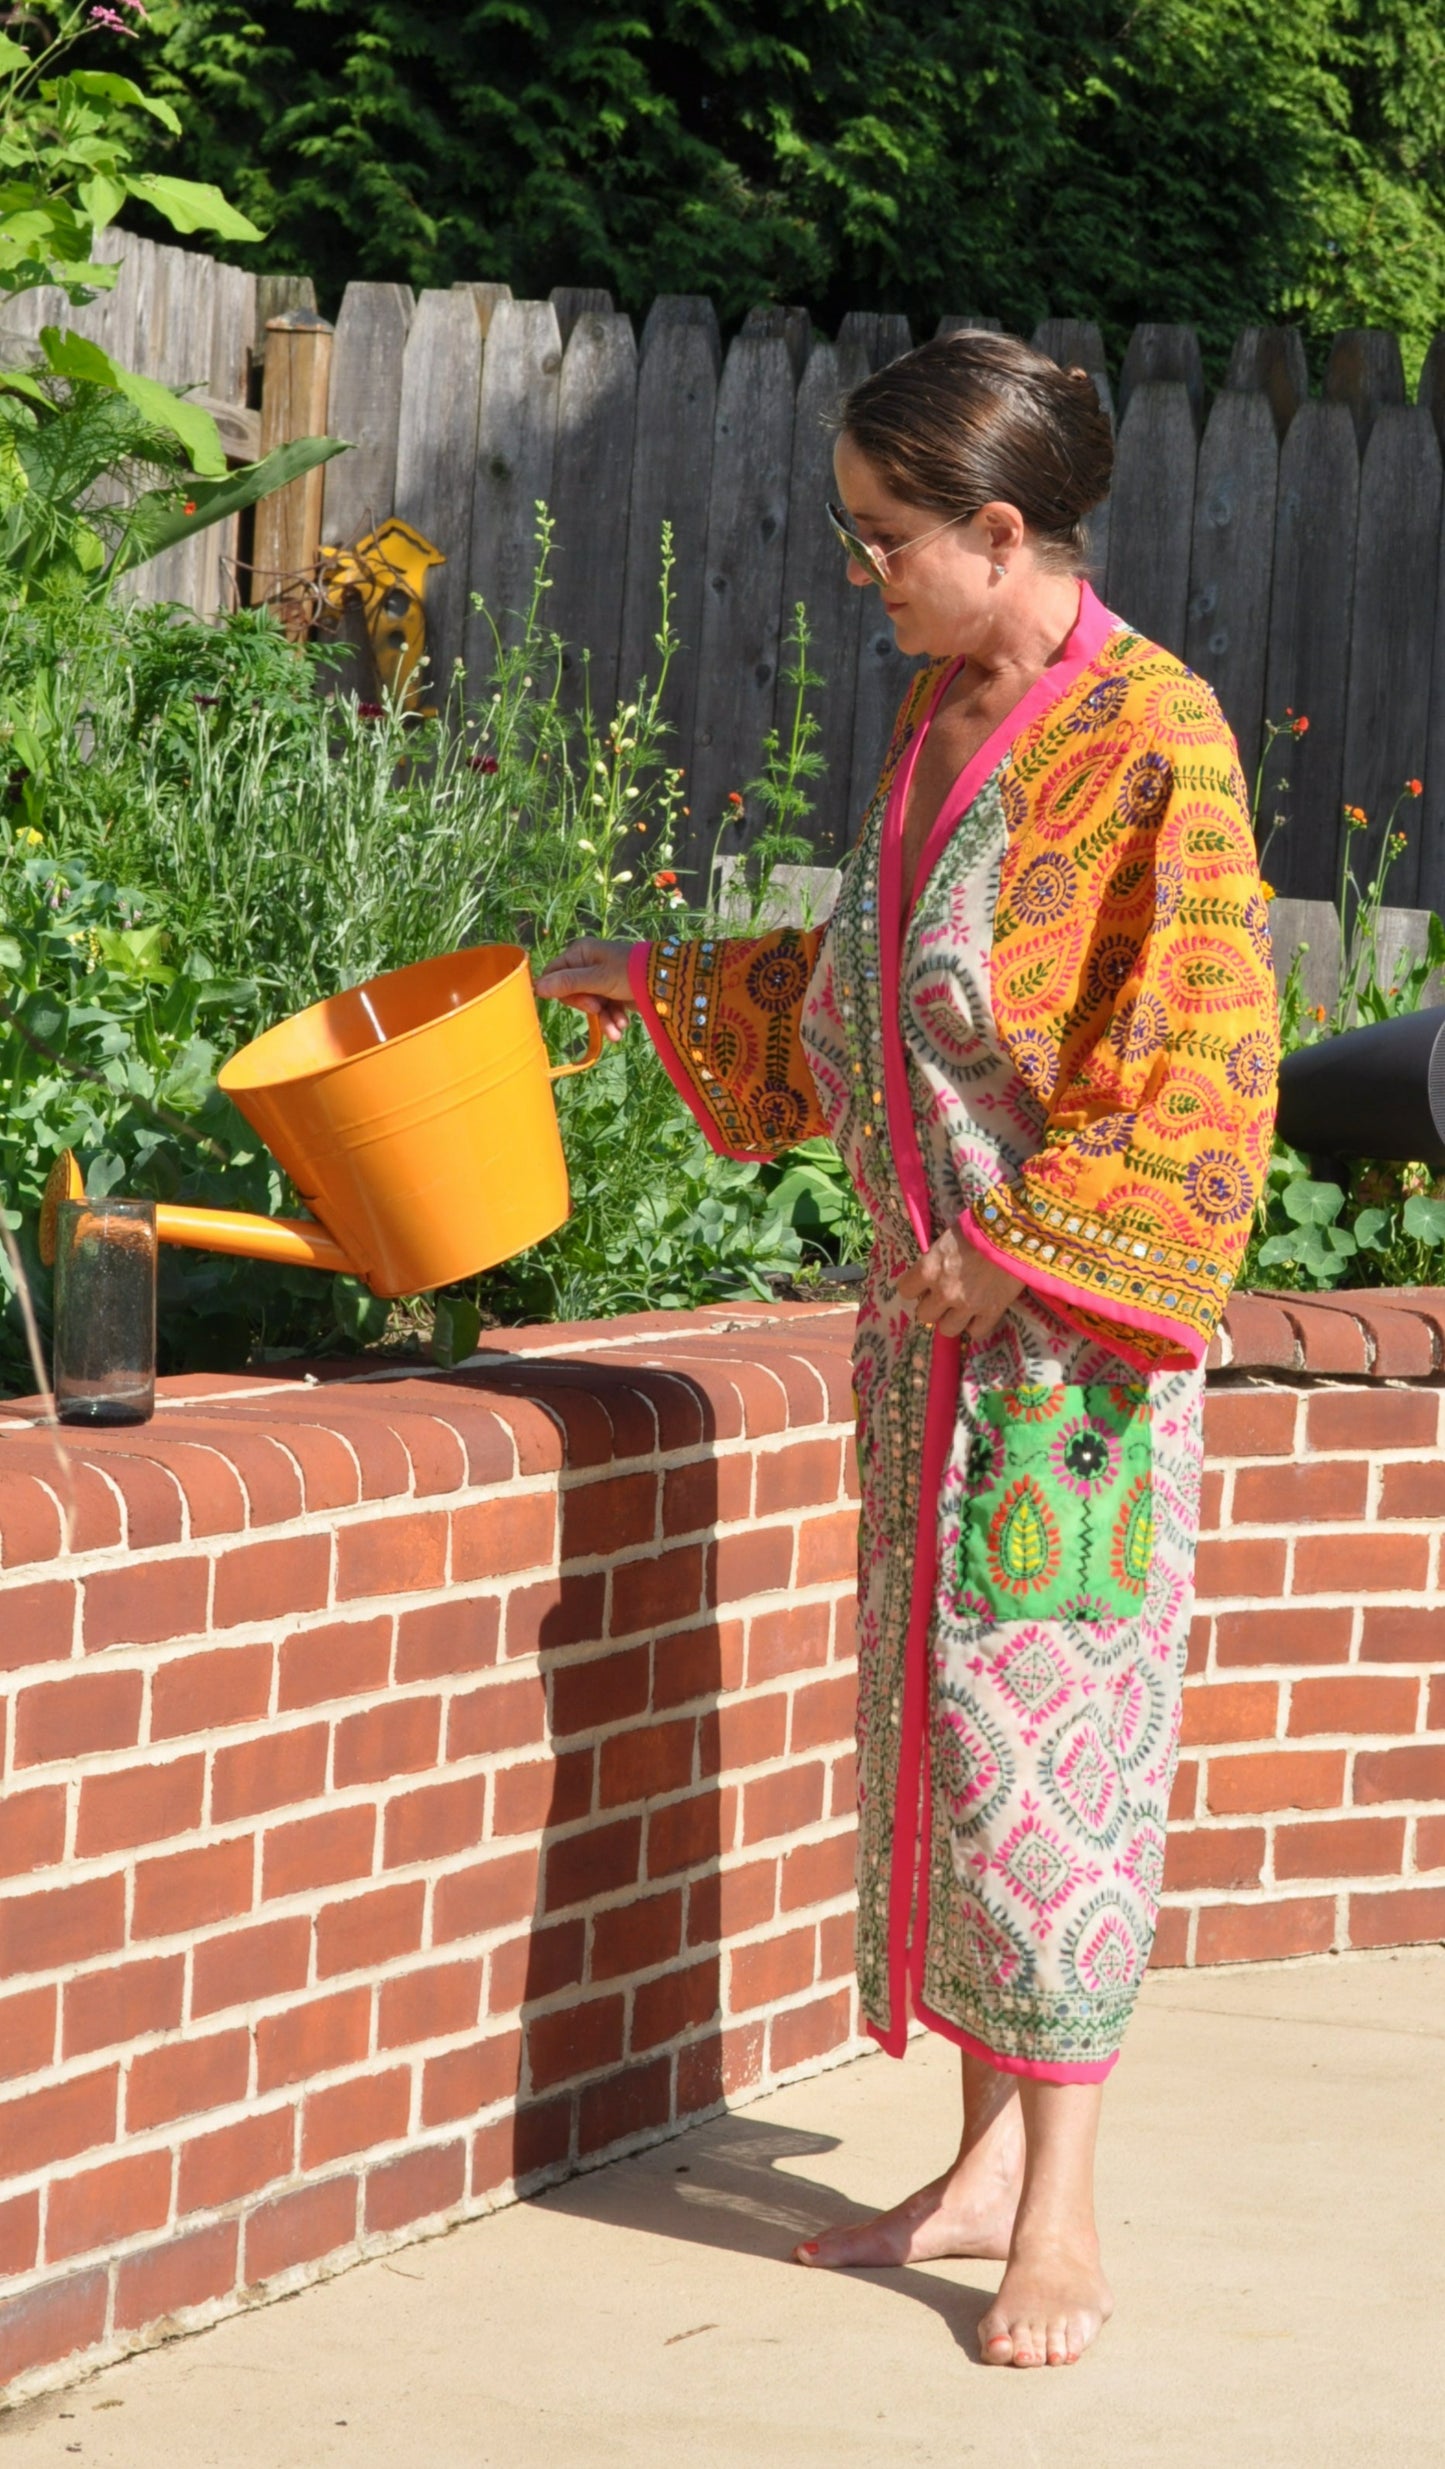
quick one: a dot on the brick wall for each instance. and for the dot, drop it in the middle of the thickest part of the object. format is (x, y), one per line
(418, 1786)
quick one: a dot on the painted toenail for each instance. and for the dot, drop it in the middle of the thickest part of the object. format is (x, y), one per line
(808, 2247)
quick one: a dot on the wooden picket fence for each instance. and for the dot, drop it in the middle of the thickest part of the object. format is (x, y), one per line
(1287, 544)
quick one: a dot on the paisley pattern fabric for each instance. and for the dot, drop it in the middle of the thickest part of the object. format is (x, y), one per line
(1030, 1504)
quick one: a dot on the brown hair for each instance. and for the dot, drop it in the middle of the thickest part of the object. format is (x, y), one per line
(973, 417)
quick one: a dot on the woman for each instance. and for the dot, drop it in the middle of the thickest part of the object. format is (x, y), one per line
(1041, 1028)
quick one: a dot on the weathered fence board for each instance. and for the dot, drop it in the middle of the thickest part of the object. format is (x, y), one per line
(1431, 887)
(1163, 356)
(1152, 512)
(365, 405)
(1309, 929)
(742, 602)
(811, 575)
(436, 457)
(1307, 670)
(672, 484)
(1364, 372)
(1229, 575)
(591, 501)
(516, 450)
(1393, 627)
(1270, 360)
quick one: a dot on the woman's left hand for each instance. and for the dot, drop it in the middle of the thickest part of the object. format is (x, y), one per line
(957, 1290)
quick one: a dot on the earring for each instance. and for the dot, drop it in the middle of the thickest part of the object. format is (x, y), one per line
(998, 570)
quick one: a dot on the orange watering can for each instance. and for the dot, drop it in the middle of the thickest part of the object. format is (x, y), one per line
(413, 1114)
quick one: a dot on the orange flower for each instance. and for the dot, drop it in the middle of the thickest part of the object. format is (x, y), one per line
(1267, 889)
(1415, 788)
(1357, 819)
(1300, 726)
(1319, 1012)
(733, 798)
(665, 880)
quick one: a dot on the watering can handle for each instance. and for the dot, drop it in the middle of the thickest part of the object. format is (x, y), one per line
(564, 1071)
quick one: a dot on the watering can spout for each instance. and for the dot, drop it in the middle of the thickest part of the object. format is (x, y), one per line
(414, 1116)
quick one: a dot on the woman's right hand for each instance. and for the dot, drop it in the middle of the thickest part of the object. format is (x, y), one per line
(592, 976)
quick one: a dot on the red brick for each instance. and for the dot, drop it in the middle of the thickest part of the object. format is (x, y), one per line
(837, 1946)
(103, 2010)
(145, 1605)
(416, 2187)
(70, 1718)
(262, 1581)
(1220, 1856)
(1430, 1843)
(489, 1895)
(828, 1548)
(1435, 1710)
(53, 2124)
(346, 1658)
(1211, 1499)
(1416, 1772)
(39, 1625)
(597, 1862)
(314, 2039)
(50, 2323)
(1354, 1702)
(1230, 1710)
(542, 1792)
(1201, 1632)
(205, 1691)
(350, 2117)
(461, 2081)
(606, 1689)
(429, 2004)
(635, 1937)
(757, 1561)
(139, 1804)
(186, 2077)
(61, 1925)
(524, 1969)
(368, 1929)
(1361, 1563)
(460, 1635)
(494, 1538)
(843, 1789)
(300, 2228)
(274, 1771)
(783, 1803)
(1265, 1932)
(728, 1902)
(790, 1639)
(1340, 1847)
(185, 2272)
(19, 2233)
(808, 2032)
(1250, 1422)
(635, 2102)
(1402, 1633)
(684, 1834)
(245, 1964)
(1171, 1942)
(1251, 1567)
(100, 2207)
(714, 1491)
(648, 1593)
(1184, 1791)
(27, 2032)
(32, 1829)
(573, 2040)
(1279, 1779)
(392, 1555)
(808, 1474)
(817, 1872)
(695, 1663)
(674, 2003)
(600, 1519)
(431, 1823)
(1282, 1634)
(747, 1731)
(1409, 1916)
(318, 1851)
(396, 1739)
(776, 1967)
(556, 1611)
(236, 2160)
(824, 1713)
(502, 1714)
(540, 2136)
(1330, 1489)
(187, 1889)
(1372, 1419)
(645, 1763)
(1414, 1491)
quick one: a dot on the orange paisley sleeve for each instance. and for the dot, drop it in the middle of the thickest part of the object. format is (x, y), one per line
(724, 1016)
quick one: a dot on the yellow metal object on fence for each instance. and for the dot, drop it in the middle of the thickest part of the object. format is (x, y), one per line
(384, 575)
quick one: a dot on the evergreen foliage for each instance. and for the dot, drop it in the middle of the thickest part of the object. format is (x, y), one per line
(1213, 160)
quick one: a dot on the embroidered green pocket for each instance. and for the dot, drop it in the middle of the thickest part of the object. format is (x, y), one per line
(1059, 1517)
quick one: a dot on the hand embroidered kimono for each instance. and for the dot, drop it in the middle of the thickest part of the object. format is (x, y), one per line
(1068, 1046)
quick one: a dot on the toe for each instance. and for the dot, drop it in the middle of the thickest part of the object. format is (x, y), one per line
(1057, 2348)
(807, 2252)
(995, 2343)
(1030, 2344)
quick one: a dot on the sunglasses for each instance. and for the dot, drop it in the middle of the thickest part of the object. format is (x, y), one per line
(874, 561)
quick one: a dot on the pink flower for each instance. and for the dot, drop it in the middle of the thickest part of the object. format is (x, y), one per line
(481, 762)
(109, 19)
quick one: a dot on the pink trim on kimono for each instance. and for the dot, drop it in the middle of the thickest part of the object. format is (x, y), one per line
(1189, 1348)
(657, 1030)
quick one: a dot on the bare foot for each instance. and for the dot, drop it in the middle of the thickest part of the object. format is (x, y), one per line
(1052, 2302)
(968, 2211)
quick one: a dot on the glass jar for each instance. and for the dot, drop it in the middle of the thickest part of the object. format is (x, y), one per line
(105, 1311)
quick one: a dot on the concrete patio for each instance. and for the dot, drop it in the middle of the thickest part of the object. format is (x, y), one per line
(1273, 2187)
